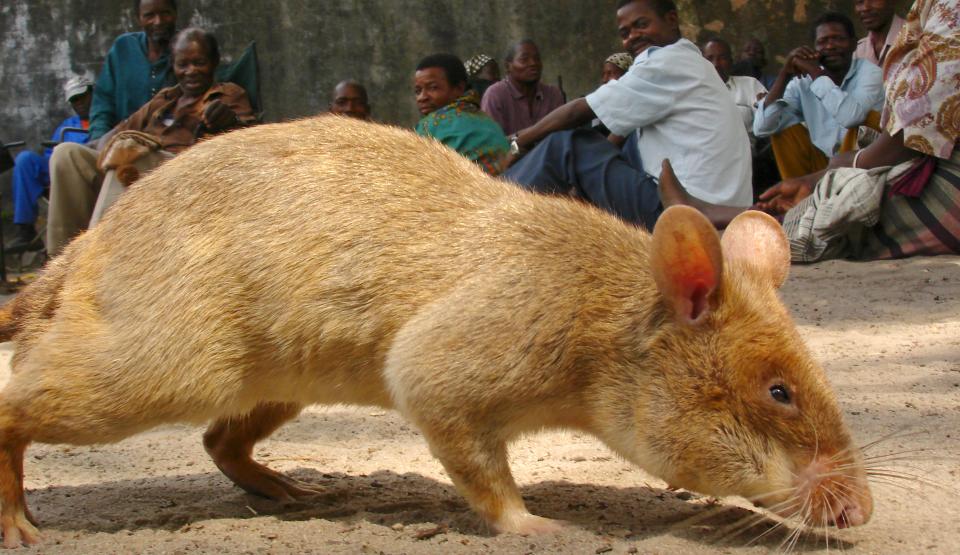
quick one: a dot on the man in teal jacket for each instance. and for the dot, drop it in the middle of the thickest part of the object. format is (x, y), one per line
(137, 67)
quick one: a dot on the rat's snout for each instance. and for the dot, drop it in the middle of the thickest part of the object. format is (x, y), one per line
(833, 492)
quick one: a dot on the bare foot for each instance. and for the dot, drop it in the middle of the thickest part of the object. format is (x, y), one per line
(670, 188)
(673, 193)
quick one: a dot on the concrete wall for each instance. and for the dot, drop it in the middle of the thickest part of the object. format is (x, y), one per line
(306, 46)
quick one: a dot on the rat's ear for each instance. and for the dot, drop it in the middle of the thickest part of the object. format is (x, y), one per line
(686, 261)
(756, 238)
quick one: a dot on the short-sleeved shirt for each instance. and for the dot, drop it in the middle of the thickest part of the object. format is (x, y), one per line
(178, 129)
(675, 101)
(865, 45)
(127, 81)
(463, 127)
(745, 91)
(922, 75)
(508, 106)
(828, 109)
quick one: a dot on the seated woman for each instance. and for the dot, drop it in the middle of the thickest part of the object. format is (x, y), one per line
(860, 209)
(451, 113)
(174, 119)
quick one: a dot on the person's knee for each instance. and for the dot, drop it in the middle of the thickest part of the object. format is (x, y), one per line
(27, 159)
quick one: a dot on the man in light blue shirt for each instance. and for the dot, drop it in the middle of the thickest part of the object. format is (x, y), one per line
(671, 102)
(825, 89)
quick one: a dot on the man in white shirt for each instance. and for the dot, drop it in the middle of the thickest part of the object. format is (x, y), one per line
(746, 90)
(882, 26)
(672, 99)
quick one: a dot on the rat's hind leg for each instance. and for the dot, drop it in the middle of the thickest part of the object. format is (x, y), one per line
(230, 441)
(15, 519)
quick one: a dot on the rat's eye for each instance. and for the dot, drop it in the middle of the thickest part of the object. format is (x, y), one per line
(780, 394)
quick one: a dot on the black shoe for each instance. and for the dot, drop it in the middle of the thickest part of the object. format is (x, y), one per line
(26, 240)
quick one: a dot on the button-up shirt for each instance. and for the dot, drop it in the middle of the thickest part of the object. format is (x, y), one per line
(127, 81)
(827, 109)
(508, 106)
(865, 49)
(675, 101)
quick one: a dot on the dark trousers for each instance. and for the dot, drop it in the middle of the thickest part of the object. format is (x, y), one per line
(582, 159)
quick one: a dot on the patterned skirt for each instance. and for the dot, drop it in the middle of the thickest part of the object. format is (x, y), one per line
(921, 226)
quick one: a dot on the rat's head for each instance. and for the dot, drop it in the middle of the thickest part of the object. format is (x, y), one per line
(737, 406)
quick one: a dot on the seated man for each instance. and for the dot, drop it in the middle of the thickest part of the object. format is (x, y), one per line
(753, 62)
(451, 113)
(828, 91)
(615, 66)
(746, 90)
(31, 171)
(521, 99)
(482, 71)
(882, 26)
(177, 117)
(136, 68)
(679, 109)
(350, 99)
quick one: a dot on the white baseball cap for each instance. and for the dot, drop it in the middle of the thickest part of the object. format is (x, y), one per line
(76, 86)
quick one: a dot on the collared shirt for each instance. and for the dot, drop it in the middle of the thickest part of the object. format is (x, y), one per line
(127, 81)
(865, 45)
(463, 127)
(681, 110)
(178, 129)
(745, 91)
(922, 80)
(827, 109)
(508, 106)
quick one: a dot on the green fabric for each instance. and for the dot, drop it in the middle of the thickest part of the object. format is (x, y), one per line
(463, 127)
(127, 81)
(244, 71)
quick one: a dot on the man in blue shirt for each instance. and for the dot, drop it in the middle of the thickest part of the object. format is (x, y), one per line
(825, 89)
(31, 171)
(137, 67)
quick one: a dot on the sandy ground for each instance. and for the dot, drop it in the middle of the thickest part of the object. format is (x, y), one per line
(888, 334)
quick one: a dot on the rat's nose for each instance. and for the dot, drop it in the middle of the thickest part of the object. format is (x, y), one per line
(850, 515)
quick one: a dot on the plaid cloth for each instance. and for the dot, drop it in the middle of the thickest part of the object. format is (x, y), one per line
(849, 215)
(926, 225)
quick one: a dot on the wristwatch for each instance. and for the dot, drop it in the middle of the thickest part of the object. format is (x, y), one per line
(514, 145)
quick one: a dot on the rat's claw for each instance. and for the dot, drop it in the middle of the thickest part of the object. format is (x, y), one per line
(18, 531)
(527, 524)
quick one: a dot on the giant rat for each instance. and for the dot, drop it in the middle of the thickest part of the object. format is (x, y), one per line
(329, 260)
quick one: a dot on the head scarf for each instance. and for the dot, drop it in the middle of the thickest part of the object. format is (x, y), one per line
(476, 63)
(621, 60)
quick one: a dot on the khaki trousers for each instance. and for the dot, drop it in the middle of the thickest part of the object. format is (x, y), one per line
(79, 194)
(795, 153)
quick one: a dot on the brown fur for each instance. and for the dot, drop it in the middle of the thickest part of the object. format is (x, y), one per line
(335, 261)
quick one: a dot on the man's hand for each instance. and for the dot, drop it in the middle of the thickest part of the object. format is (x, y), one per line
(217, 116)
(785, 195)
(801, 60)
(808, 67)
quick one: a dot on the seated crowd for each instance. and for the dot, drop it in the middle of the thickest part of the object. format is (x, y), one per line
(860, 137)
